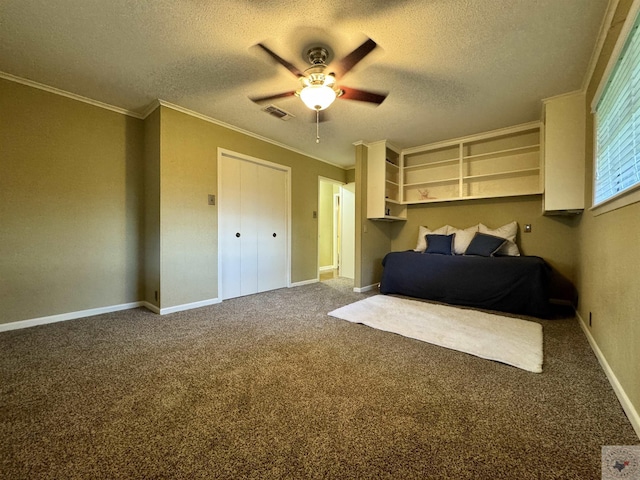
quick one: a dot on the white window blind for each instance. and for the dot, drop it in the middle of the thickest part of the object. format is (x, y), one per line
(618, 125)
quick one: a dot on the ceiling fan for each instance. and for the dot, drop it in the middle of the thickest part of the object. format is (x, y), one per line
(318, 88)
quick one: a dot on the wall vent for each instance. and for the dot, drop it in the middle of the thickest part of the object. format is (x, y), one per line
(278, 112)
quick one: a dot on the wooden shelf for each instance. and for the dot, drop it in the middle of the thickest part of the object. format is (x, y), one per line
(429, 164)
(432, 182)
(502, 174)
(499, 163)
(508, 151)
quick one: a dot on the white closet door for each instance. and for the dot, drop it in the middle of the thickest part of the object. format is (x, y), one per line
(250, 213)
(253, 228)
(272, 230)
(229, 198)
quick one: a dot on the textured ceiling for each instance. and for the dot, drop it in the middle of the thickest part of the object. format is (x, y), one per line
(451, 67)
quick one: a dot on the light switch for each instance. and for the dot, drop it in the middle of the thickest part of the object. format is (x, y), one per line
(212, 199)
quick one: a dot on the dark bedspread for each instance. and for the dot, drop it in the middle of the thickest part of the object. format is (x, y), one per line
(509, 284)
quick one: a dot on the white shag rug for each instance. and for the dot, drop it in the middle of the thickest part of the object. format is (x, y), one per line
(508, 340)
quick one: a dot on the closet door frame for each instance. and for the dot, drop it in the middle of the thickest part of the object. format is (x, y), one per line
(265, 163)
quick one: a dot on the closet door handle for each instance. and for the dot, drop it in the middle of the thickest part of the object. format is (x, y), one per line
(274, 235)
(238, 235)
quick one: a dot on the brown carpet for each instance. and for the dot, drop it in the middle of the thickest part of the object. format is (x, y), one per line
(269, 386)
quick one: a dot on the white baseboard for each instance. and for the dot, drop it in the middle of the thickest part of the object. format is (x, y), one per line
(186, 306)
(627, 406)
(328, 268)
(68, 316)
(305, 282)
(367, 288)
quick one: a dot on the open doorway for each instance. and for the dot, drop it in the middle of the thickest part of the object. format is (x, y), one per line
(336, 230)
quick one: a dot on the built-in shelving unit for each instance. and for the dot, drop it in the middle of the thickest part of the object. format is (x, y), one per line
(384, 174)
(500, 163)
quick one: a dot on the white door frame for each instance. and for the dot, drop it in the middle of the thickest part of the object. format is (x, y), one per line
(335, 182)
(220, 201)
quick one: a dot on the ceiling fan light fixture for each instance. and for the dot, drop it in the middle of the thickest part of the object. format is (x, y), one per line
(317, 97)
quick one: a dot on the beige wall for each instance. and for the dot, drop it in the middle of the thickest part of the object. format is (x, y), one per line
(152, 208)
(609, 262)
(373, 238)
(188, 172)
(100, 209)
(70, 205)
(553, 238)
(188, 224)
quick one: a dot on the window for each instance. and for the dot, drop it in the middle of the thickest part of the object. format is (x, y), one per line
(617, 115)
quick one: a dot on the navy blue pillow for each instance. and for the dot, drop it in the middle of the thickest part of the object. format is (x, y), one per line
(484, 245)
(442, 244)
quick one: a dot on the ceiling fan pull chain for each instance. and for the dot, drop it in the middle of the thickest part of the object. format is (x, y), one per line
(317, 126)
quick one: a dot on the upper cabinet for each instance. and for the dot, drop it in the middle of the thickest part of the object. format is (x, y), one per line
(528, 159)
(501, 163)
(383, 182)
(564, 154)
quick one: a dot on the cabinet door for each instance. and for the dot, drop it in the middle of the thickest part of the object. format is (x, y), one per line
(564, 152)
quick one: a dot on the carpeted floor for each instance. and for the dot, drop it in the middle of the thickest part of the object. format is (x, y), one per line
(269, 386)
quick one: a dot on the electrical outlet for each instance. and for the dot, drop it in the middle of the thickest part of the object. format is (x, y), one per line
(527, 228)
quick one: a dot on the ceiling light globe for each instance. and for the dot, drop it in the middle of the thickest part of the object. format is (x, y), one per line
(317, 97)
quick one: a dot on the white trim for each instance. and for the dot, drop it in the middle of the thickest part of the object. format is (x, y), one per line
(62, 317)
(150, 109)
(186, 111)
(73, 96)
(602, 36)
(621, 199)
(368, 288)
(189, 306)
(615, 54)
(562, 95)
(627, 406)
(305, 282)
(151, 307)
(328, 268)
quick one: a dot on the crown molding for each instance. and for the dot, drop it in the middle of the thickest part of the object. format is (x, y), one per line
(602, 36)
(64, 93)
(220, 123)
(150, 109)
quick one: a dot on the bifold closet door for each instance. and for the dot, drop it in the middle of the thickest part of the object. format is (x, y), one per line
(272, 230)
(253, 227)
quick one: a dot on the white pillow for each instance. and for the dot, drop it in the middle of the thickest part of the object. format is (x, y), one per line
(463, 238)
(508, 231)
(422, 241)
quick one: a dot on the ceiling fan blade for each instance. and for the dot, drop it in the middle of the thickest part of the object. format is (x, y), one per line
(273, 97)
(289, 66)
(362, 95)
(343, 66)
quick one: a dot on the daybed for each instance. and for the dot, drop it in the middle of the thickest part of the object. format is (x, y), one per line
(492, 280)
